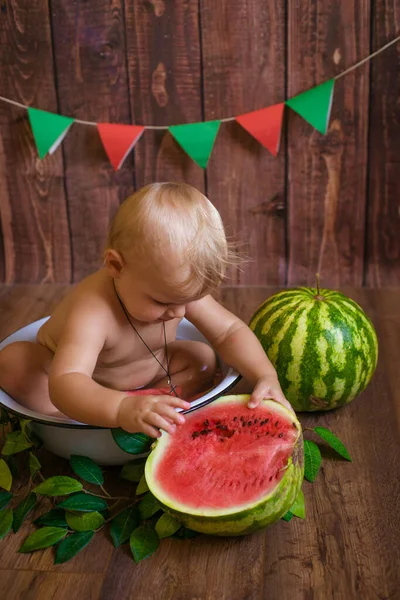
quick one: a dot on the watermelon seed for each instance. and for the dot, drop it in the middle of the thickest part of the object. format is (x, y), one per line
(243, 423)
(270, 478)
(249, 423)
(234, 418)
(266, 421)
(276, 424)
(195, 434)
(205, 423)
(267, 433)
(255, 420)
(204, 431)
(280, 435)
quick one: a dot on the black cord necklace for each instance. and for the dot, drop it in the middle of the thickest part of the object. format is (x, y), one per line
(148, 348)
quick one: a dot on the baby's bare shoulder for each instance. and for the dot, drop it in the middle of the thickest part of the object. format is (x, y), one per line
(88, 305)
(91, 300)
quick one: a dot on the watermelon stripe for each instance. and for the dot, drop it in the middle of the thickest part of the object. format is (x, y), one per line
(275, 316)
(286, 362)
(281, 299)
(347, 374)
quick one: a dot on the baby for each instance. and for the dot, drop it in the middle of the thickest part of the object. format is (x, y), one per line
(116, 330)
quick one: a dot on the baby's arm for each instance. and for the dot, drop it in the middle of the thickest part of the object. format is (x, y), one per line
(76, 394)
(238, 347)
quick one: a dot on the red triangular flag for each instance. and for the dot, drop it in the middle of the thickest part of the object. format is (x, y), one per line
(265, 125)
(118, 140)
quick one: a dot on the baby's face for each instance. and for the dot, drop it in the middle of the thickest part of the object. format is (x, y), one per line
(150, 300)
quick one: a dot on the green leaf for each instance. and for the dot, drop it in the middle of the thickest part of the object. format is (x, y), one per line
(184, 533)
(133, 443)
(312, 460)
(71, 545)
(6, 519)
(87, 469)
(5, 498)
(58, 486)
(84, 503)
(24, 424)
(123, 524)
(133, 471)
(299, 507)
(167, 525)
(5, 475)
(333, 441)
(15, 442)
(43, 538)
(144, 541)
(142, 488)
(84, 521)
(22, 510)
(34, 465)
(53, 518)
(148, 506)
(4, 417)
(288, 516)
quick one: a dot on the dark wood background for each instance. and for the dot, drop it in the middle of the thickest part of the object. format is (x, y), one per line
(325, 203)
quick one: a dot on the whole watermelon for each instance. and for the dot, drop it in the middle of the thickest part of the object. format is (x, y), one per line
(322, 344)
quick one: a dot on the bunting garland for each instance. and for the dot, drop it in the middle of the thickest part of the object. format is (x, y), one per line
(315, 105)
(196, 139)
(265, 125)
(48, 130)
(118, 140)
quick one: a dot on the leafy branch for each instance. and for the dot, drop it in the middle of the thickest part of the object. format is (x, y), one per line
(312, 464)
(79, 512)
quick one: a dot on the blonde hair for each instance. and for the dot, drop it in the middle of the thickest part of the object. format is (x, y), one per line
(173, 218)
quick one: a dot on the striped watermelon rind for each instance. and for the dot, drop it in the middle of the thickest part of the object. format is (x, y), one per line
(235, 521)
(322, 344)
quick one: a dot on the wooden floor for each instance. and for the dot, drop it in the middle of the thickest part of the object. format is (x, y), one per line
(347, 547)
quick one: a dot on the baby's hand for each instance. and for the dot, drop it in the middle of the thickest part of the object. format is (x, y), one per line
(268, 387)
(149, 414)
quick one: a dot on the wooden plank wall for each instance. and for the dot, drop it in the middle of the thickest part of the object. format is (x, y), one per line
(327, 203)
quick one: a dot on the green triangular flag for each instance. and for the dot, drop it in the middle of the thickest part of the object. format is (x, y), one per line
(315, 105)
(197, 139)
(48, 129)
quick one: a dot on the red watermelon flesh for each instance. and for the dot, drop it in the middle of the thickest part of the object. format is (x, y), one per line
(227, 455)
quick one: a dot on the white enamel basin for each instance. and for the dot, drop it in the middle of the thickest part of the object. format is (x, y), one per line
(64, 436)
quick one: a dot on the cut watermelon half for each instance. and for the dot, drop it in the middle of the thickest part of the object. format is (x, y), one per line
(228, 469)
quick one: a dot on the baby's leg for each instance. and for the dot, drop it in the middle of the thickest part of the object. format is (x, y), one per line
(24, 368)
(193, 367)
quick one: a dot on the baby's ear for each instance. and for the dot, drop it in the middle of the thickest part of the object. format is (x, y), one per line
(113, 262)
